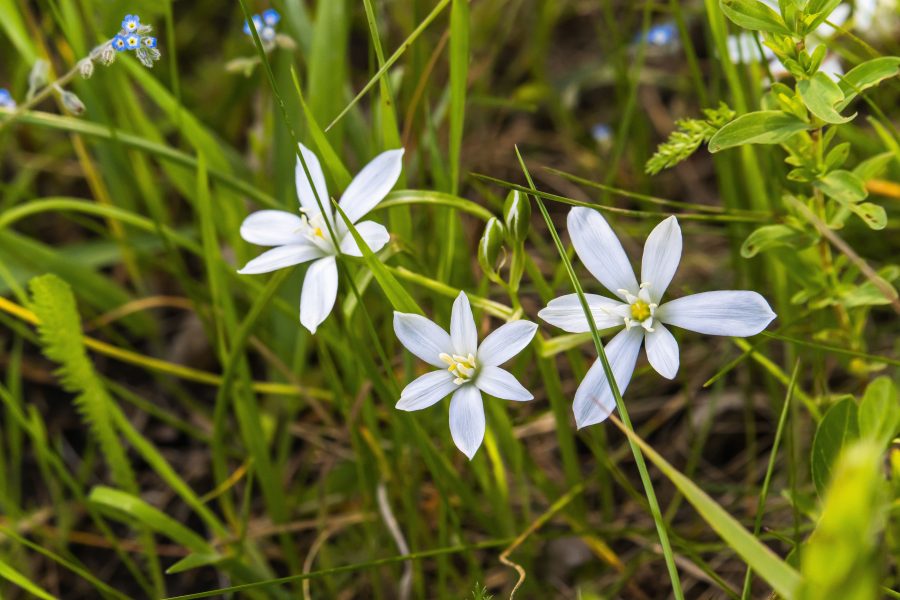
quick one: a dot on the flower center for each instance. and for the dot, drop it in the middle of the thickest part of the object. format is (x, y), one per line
(641, 308)
(313, 229)
(463, 367)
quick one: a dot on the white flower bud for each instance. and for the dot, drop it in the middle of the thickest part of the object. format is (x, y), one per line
(86, 68)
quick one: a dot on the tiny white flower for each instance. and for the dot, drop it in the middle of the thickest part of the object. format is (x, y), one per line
(467, 368)
(299, 239)
(638, 308)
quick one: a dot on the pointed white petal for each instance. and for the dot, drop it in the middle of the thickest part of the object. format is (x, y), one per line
(462, 327)
(662, 253)
(319, 292)
(373, 234)
(467, 419)
(281, 257)
(662, 351)
(594, 400)
(305, 190)
(566, 313)
(372, 184)
(733, 313)
(600, 250)
(271, 228)
(500, 383)
(422, 337)
(426, 390)
(505, 342)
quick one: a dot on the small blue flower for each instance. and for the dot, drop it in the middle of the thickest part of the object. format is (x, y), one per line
(119, 43)
(148, 42)
(267, 34)
(132, 42)
(257, 23)
(601, 133)
(131, 23)
(662, 34)
(271, 17)
(6, 99)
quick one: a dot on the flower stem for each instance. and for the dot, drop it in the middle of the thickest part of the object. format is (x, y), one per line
(653, 503)
(40, 96)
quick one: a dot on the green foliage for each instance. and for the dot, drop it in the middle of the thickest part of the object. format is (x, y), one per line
(879, 412)
(838, 428)
(60, 331)
(841, 559)
(688, 136)
(481, 593)
(761, 127)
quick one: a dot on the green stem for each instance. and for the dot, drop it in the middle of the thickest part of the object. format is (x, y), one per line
(620, 404)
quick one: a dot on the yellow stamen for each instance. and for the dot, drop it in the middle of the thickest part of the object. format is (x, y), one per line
(640, 310)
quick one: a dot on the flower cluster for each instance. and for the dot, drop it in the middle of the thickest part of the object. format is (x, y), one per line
(6, 99)
(264, 25)
(132, 37)
(467, 368)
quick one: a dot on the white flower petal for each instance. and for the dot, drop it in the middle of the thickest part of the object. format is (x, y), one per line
(374, 234)
(500, 383)
(372, 184)
(505, 342)
(462, 327)
(305, 190)
(319, 292)
(600, 250)
(732, 313)
(594, 400)
(662, 253)
(271, 228)
(426, 390)
(467, 419)
(662, 351)
(281, 257)
(566, 312)
(422, 337)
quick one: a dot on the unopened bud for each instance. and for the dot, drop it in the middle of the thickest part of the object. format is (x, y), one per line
(517, 214)
(71, 102)
(86, 68)
(37, 78)
(490, 245)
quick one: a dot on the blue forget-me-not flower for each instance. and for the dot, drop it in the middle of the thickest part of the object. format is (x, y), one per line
(265, 26)
(6, 99)
(132, 37)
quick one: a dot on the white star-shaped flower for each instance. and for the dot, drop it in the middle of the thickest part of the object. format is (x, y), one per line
(305, 237)
(638, 308)
(467, 369)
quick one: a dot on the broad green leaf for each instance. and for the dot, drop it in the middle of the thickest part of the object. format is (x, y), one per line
(871, 214)
(821, 95)
(843, 186)
(773, 236)
(822, 9)
(873, 167)
(8, 573)
(841, 560)
(868, 74)
(775, 571)
(879, 411)
(754, 15)
(763, 127)
(838, 427)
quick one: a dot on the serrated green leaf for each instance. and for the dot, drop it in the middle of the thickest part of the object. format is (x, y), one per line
(821, 95)
(838, 427)
(762, 127)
